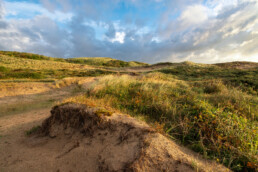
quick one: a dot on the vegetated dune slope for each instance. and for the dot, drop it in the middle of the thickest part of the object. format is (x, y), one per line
(79, 138)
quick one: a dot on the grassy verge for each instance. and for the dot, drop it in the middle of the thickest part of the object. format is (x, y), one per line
(214, 119)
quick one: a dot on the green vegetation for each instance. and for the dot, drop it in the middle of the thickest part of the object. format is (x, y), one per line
(19, 68)
(246, 79)
(211, 117)
(22, 58)
(104, 61)
(29, 56)
(16, 65)
(33, 130)
(48, 74)
(23, 63)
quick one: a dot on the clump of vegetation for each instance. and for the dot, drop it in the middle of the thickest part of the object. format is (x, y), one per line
(19, 73)
(3, 69)
(222, 130)
(33, 130)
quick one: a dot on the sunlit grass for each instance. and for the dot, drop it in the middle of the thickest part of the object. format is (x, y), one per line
(22, 63)
(212, 118)
(105, 61)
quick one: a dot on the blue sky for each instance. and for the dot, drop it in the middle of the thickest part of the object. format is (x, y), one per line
(206, 31)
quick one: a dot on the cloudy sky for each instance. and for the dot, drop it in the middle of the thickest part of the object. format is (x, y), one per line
(206, 31)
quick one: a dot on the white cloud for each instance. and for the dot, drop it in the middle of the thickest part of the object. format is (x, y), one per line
(215, 31)
(193, 15)
(29, 10)
(119, 37)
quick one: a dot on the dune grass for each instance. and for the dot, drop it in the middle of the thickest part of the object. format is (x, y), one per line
(24, 58)
(39, 74)
(23, 63)
(105, 62)
(29, 56)
(246, 79)
(215, 119)
(15, 65)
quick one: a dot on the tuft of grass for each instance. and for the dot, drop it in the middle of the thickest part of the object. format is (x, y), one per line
(33, 130)
(4, 69)
(104, 112)
(195, 166)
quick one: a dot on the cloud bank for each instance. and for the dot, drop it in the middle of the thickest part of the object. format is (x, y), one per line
(208, 31)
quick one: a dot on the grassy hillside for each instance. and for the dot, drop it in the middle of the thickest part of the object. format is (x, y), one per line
(29, 56)
(14, 65)
(93, 61)
(247, 79)
(105, 61)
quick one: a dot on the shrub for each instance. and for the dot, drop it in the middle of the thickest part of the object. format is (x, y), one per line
(33, 130)
(24, 74)
(3, 69)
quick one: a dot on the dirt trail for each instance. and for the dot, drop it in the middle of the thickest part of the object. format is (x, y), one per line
(24, 101)
(22, 121)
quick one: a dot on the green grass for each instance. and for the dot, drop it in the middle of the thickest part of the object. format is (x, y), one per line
(217, 120)
(33, 130)
(7, 73)
(246, 79)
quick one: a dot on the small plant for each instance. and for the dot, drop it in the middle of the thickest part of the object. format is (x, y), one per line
(3, 69)
(33, 130)
(195, 166)
(103, 112)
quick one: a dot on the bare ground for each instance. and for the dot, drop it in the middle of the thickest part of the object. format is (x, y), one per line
(77, 138)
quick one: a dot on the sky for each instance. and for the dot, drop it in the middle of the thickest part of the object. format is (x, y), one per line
(202, 31)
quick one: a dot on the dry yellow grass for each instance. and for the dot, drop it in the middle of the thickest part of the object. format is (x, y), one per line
(13, 88)
(20, 63)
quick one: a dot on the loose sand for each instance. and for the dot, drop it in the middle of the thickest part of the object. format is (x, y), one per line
(79, 138)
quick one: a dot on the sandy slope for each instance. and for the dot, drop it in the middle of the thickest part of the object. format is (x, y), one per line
(76, 138)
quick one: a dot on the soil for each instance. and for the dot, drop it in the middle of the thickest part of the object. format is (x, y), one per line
(79, 138)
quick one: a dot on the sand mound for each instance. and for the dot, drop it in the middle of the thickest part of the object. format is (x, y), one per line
(88, 139)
